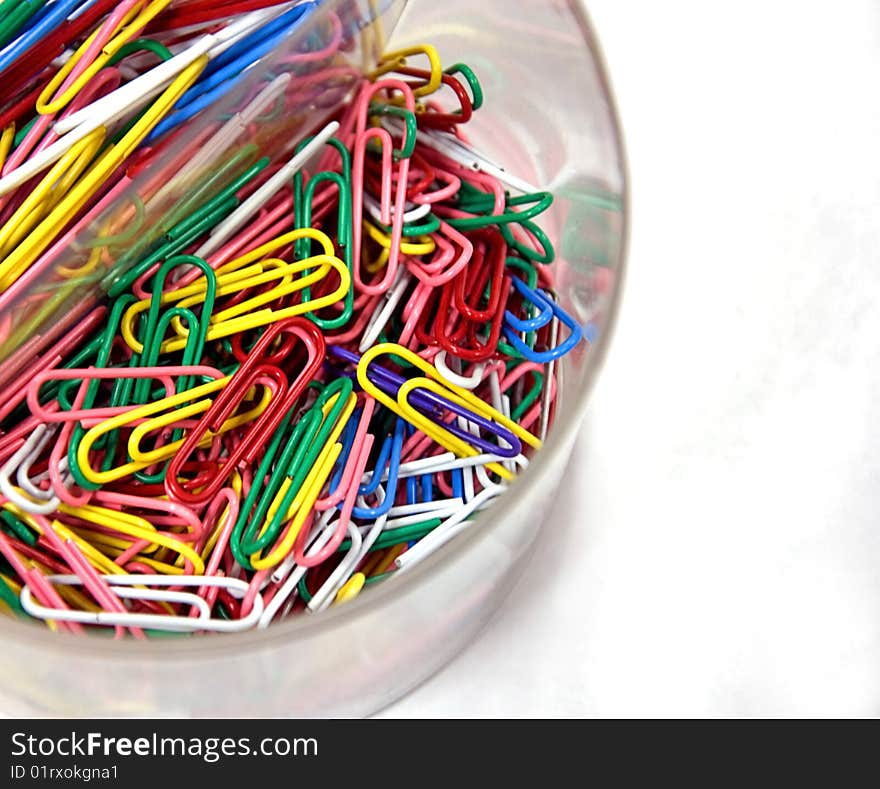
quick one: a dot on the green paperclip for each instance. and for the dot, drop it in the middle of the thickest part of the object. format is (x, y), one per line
(13, 21)
(11, 599)
(299, 455)
(141, 45)
(430, 224)
(22, 132)
(409, 119)
(12, 525)
(303, 216)
(529, 398)
(121, 387)
(391, 537)
(472, 81)
(154, 326)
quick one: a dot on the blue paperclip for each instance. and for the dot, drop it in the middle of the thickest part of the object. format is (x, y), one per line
(458, 483)
(368, 488)
(346, 439)
(530, 324)
(427, 488)
(52, 16)
(229, 68)
(251, 40)
(371, 513)
(538, 298)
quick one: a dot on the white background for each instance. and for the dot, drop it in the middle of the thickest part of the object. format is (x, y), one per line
(716, 545)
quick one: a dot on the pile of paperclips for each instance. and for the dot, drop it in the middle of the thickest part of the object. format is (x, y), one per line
(313, 382)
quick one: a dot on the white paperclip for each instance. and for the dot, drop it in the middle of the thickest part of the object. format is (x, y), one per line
(324, 532)
(424, 507)
(385, 309)
(327, 593)
(249, 207)
(411, 520)
(413, 215)
(451, 527)
(448, 461)
(120, 585)
(470, 383)
(24, 458)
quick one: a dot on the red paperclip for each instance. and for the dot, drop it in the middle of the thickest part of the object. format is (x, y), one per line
(433, 119)
(227, 401)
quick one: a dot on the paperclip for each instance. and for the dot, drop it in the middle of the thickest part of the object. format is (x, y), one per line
(267, 507)
(435, 381)
(394, 216)
(544, 303)
(393, 61)
(118, 584)
(226, 402)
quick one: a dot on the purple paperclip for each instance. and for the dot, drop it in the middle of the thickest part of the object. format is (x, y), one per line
(433, 405)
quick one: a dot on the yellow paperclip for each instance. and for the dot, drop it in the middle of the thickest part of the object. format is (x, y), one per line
(144, 412)
(441, 386)
(391, 61)
(97, 559)
(309, 495)
(129, 26)
(424, 246)
(311, 488)
(163, 453)
(33, 245)
(350, 589)
(50, 190)
(247, 314)
(237, 274)
(136, 528)
(263, 317)
(6, 143)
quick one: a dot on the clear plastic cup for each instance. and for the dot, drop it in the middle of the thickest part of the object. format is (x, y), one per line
(548, 118)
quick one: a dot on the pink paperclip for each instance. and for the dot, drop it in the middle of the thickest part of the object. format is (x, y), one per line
(452, 188)
(428, 272)
(183, 515)
(490, 184)
(41, 589)
(256, 582)
(92, 581)
(362, 137)
(59, 452)
(102, 373)
(15, 394)
(362, 311)
(48, 595)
